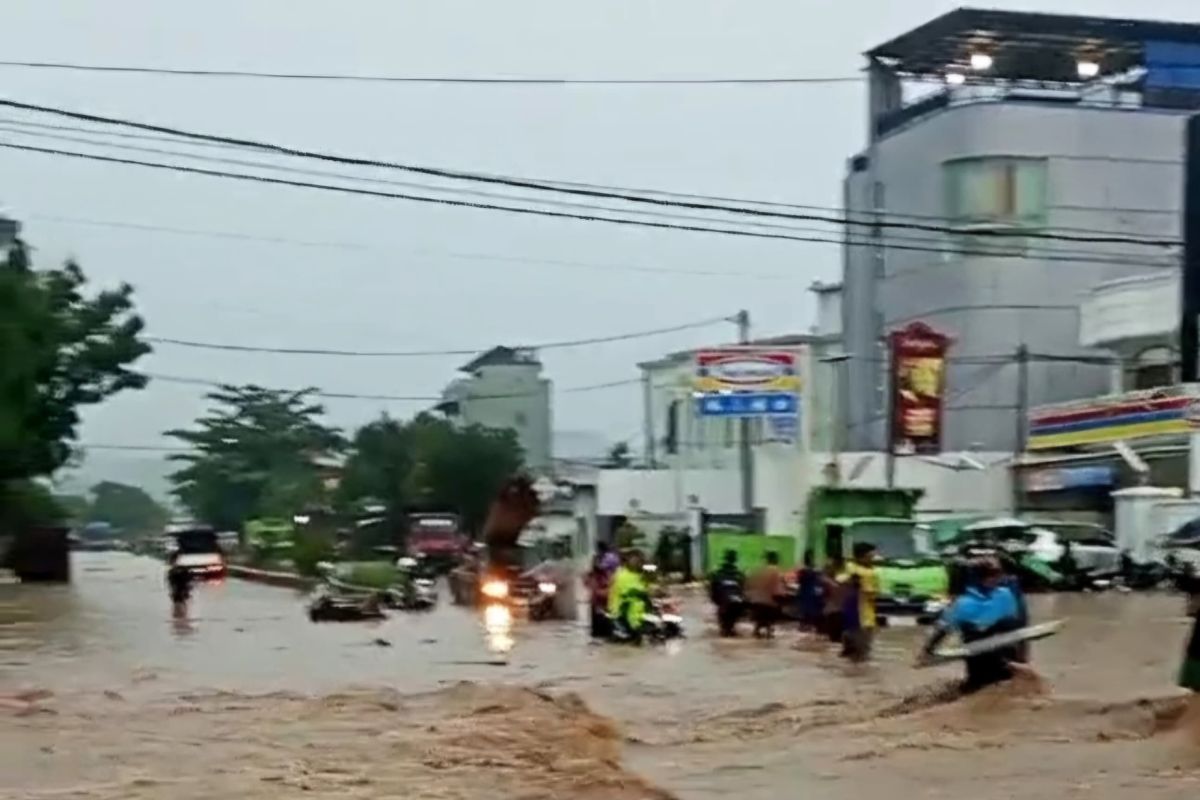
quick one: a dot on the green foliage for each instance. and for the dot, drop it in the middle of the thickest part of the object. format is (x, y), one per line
(461, 469)
(61, 350)
(310, 549)
(629, 536)
(126, 508)
(255, 455)
(27, 503)
(429, 464)
(371, 574)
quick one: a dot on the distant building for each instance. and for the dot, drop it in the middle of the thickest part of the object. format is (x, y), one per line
(504, 388)
(989, 130)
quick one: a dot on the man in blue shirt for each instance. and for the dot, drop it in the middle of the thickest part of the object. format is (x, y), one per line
(986, 607)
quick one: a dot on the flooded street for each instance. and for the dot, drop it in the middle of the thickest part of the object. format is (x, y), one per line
(251, 696)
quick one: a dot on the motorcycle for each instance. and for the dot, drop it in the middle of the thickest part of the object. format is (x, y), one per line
(663, 621)
(541, 602)
(327, 607)
(419, 595)
(730, 600)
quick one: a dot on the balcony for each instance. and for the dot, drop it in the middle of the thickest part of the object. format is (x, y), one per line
(1128, 315)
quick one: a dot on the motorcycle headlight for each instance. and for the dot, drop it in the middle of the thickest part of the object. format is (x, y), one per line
(497, 619)
(935, 606)
(497, 590)
(547, 588)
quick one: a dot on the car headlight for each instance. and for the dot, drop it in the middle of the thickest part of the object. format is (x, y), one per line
(547, 588)
(497, 590)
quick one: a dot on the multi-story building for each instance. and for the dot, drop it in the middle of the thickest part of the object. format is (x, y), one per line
(1007, 152)
(504, 388)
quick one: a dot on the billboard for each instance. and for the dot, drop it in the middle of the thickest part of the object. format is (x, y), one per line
(918, 378)
(1167, 411)
(747, 382)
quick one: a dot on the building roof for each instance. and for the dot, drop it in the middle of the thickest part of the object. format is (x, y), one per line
(1028, 46)
(502, 356)
(785, 340)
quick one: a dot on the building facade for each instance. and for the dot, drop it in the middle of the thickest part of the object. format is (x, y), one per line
(1020, 140)
(504, 389)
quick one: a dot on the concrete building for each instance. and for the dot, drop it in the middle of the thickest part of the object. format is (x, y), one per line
(988, 130)
(504, 388)
(691, 462)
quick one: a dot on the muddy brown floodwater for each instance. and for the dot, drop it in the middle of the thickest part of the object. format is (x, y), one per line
(102, 697)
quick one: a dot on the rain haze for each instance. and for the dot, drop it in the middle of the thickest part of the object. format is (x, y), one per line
(244, 263)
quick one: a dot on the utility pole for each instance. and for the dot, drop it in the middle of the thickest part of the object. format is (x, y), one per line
(745, 453)
(1189, 324)
(1022, 411)
(889, 426)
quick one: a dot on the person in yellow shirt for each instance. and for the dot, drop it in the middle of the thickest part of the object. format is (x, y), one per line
(862, 589)
(628, 598)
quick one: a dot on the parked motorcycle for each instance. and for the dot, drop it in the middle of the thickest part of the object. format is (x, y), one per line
(327, 607)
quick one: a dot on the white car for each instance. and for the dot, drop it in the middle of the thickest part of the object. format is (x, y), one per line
(1093, 548)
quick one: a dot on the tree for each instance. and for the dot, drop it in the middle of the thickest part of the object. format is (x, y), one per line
(461, 469)
(62, 350)
(127, 508)
(255, 455)
(619, 456)
(378, 472)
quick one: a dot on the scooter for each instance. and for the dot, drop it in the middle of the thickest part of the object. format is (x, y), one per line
(541, 603)
(663, 621)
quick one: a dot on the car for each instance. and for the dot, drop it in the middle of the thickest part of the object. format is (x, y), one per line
(1094, 548)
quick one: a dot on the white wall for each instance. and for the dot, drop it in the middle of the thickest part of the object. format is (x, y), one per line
(783, 480)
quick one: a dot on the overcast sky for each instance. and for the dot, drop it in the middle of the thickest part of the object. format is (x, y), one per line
(394, 281)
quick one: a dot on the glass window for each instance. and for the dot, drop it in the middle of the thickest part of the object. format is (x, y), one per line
(996, 191)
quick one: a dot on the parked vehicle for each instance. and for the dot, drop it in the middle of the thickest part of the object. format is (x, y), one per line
(1013, 539)
(1093, 548)
(327, 606)
(914, 583)
(199, 550)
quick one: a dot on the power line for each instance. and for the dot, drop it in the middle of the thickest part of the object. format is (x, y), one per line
(399, 196)
(462, 255)
(1105, 257)
(556, 345)
(541, 185)
(316, 392)
(865, 215)
(952, 250)
(403, 184)
(477, 80)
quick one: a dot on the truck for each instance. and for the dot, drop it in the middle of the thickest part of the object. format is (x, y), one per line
(436, 537)
(914, 583)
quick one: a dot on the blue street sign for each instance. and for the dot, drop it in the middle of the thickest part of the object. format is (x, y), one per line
(747, 404)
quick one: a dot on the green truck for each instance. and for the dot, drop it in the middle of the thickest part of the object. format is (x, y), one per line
(913, 580)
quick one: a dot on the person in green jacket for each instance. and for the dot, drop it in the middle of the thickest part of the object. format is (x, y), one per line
(628, 597)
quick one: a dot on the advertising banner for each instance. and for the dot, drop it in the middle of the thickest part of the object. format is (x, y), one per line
(1166, 411)
(747, 382)
(918, 378)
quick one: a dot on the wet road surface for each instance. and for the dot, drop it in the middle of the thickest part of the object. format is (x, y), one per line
(706, 718)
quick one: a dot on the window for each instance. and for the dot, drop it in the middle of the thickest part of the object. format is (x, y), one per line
(1153, 368)
(1001, 192)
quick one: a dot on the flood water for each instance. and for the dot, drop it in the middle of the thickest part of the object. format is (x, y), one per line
(705, 718)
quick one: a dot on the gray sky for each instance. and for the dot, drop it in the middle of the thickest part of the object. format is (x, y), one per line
(399, 288)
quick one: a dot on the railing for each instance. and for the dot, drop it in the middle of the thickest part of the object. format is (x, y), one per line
(1092, 97)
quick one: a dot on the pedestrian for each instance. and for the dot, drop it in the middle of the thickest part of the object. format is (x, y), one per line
(808, 594)
(726, 589)
(832, 593)
(765, 591)
(1189, 673)
(862, 582)
(599, 581)
(179, 586)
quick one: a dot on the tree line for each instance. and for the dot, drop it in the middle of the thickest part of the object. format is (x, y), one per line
(267, 453)
(258, 452)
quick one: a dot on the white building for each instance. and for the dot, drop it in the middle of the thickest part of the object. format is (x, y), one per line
(504, 389)
(988, 132)
(692, 461)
